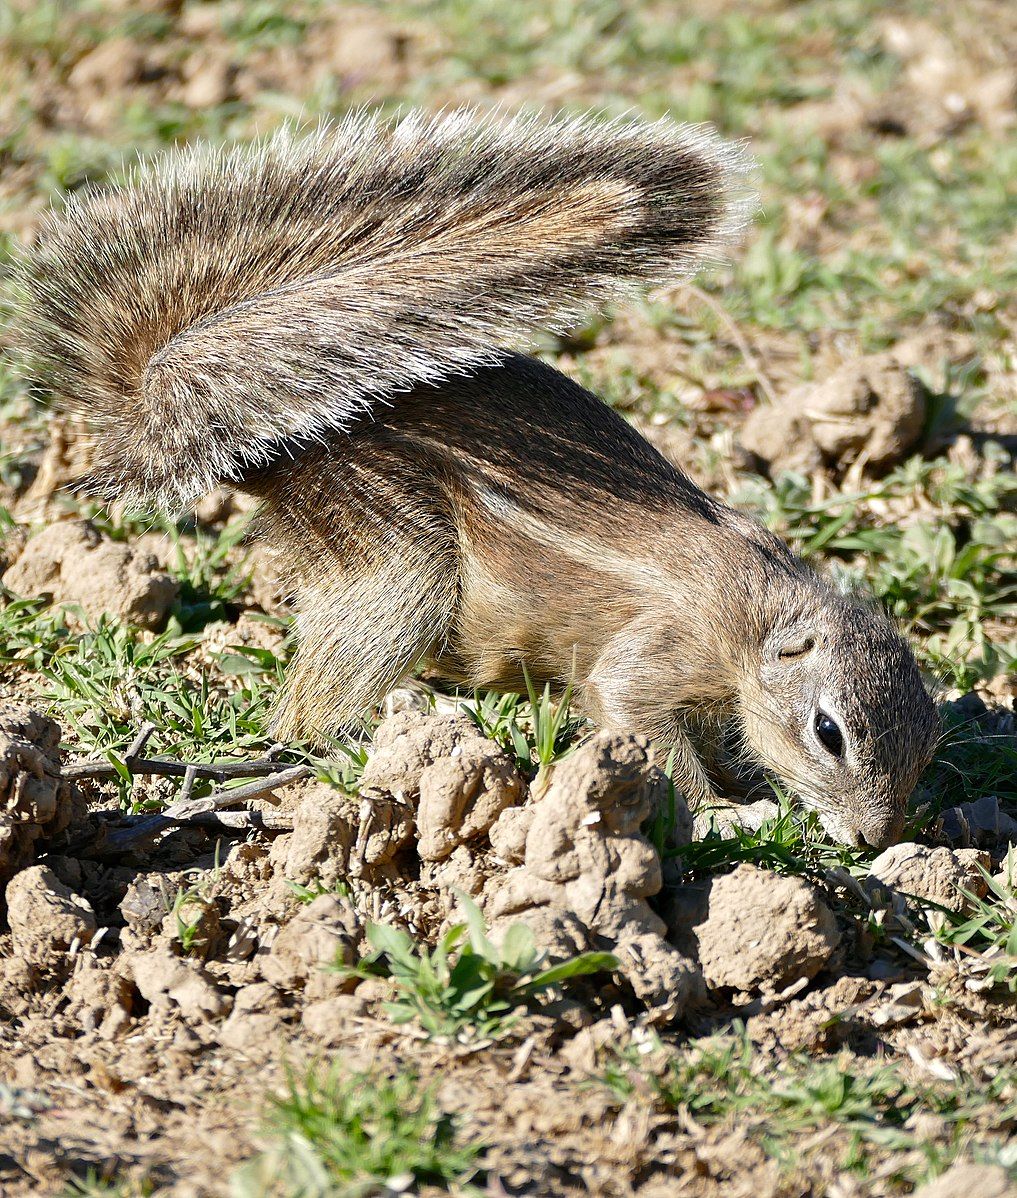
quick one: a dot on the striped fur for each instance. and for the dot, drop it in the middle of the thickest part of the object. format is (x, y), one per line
(233, 315)
(225, 298)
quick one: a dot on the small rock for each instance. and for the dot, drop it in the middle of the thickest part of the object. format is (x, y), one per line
(247, 1030)
(570, 1013)
(457, 781)
(144, 906)
(74, 563)
(100, 997)
(362, 45)
(45, 917)
(780, 439)
(558, 934)
(584, 851)
(34, 803)
(331, 1019)
(937, 874)
(258, 996)
(979, 824)
(904, 1003)
(324, 933)
(209, 76)
(763, 932)
(459, 871)
(404, 746)
(242, 939)
(113, 65)
(167, 981)
(508, 834)
(969, 1181)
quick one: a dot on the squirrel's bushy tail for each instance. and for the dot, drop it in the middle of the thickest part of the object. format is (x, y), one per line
(224, 299)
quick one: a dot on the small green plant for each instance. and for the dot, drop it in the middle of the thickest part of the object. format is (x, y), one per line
(791, 842)
(189, 907)
(95, 1184)
(31, 631)
(466, 987)
(539, 730)
(987, 935)
(345, 767)
(976, 756)
(209, 579)
(339, 1135)
(308, 893)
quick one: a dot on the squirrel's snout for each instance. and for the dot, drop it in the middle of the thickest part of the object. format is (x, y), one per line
(880, 831)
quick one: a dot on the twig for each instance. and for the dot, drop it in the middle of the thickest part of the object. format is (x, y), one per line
(260, 821)
(188, 786)
(738, 337)
(191, 810)
(162, 767)
(139, 742)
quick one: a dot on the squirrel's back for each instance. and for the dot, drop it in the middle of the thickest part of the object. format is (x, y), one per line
(222, 301)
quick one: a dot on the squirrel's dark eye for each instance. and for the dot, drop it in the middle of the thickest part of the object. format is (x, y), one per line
(802, 649)
(830, 735)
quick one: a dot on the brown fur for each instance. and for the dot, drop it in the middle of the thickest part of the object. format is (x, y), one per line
(489, 513)
(560, 539)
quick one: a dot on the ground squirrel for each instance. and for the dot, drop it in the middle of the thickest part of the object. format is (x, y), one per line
(328, 321)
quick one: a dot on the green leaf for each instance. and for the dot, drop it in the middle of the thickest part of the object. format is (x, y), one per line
(476, 926)
(396, 944)
(237, 665)
(518, 949)
(585, 963)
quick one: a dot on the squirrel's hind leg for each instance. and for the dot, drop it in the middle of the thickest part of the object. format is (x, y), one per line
(357, 638)
(371, 550)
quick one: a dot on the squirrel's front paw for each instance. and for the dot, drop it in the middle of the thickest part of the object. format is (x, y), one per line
(728, 818)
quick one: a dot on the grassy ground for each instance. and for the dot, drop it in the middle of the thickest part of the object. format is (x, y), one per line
(886, 142)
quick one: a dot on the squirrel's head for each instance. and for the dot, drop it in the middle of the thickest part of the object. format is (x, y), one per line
(834, 704)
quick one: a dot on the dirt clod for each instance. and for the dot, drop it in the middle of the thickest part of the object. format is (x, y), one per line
(462, 795)
(871, 408)
(169, 982)
(34, 802)
(75, 564)
(323, 933)
(46, 918)
(336, 836)
(759, 931)
(969, 1181)
(937, 874)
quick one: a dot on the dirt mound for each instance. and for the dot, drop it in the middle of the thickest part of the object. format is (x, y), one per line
(754, 931)
(74, 563)
(587, 871)
(35, 804)
(871, 411)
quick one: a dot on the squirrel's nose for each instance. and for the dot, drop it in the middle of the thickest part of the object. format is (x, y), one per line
(880, 831)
